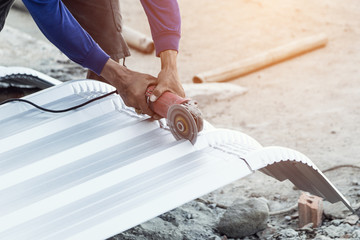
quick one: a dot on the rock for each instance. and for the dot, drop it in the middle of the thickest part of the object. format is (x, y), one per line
(321, 237)
(154, 229)
(264, 200)
(215, 238)
(287, 234)
(337, 222)
(352, 220)
(308, 227)
(245, 238)
(157, 229)
(277, 197)
(244, 218)
(355, 183)
(267, 233)
(338, 231)
(356, 234)
(169, 217)
(212, 206)
(332, 231)
(202, 207)
(336, 211)
(295, 215)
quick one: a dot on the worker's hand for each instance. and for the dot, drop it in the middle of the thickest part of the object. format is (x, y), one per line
(168, 78)
(130, 85)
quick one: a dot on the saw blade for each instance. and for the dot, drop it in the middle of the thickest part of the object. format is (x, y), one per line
(192, 107)
(182, 124)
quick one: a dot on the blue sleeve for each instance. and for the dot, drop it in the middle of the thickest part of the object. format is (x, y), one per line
(165, 23)
(61, 28)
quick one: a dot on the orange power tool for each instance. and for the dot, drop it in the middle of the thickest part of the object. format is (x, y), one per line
(183, 116)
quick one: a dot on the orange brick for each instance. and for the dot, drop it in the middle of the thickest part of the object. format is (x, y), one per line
(310, 210)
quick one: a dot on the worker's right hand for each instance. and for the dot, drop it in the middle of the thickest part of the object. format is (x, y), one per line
(130, 85)
(168, 77)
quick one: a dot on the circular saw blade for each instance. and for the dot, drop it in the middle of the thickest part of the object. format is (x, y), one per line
(182, 124)
(191, 106)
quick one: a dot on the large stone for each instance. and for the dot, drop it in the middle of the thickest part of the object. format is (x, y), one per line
(244, 218)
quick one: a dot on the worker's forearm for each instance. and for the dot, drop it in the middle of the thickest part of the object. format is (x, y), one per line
(114, 72)
(168, 59)
(168, 77)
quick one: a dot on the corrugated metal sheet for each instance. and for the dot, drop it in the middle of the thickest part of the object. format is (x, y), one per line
(26, 77)
(101, 169)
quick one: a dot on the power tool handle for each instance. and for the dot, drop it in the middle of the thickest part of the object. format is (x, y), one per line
(163, 103)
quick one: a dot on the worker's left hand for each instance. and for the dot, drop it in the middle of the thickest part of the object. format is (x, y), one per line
(131, 86)
(168, 78)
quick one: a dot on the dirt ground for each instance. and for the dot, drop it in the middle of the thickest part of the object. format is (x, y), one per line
(310, 103)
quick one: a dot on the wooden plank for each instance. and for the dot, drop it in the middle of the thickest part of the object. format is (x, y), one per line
(138, 40)
(260, 61)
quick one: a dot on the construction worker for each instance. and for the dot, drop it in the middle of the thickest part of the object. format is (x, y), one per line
(78, 27)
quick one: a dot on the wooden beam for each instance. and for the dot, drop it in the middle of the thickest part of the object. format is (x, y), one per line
(138, 40)
(260, 61)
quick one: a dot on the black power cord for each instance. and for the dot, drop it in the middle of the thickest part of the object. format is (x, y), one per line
(56, 111)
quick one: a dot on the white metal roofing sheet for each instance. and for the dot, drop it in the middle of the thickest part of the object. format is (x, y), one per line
(101, 169)
(26, 77)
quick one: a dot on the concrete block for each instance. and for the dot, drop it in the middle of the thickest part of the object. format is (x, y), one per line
(310, 210)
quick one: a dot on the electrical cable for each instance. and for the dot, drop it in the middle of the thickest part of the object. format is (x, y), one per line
(56, 111)
(340, 166)
(282, 211)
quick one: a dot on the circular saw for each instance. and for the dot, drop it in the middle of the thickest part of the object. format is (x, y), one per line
(183, 116)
